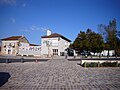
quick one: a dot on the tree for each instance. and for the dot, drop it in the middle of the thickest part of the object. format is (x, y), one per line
(110, 34)
(118, 47)
(88, 41)
(96, 42)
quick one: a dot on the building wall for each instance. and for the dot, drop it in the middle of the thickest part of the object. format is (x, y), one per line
(53, 43)
(30, 50)
(63, 44)
(105, 52)
(23, 39)
(44, 47)
(9, 45)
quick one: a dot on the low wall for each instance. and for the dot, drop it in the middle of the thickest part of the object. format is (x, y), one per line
(100, 61)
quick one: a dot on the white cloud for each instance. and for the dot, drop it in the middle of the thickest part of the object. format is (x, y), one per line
(24, 5)
(35, 29)
(21, 3)
(12, 20)
(8, 2)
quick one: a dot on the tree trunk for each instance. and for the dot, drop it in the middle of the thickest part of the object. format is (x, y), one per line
(108, 53)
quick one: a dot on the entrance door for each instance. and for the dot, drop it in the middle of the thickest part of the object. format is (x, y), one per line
(55, 51)
(9, 51)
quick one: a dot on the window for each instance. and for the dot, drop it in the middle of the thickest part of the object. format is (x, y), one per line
(10, 44)
(4, 44)
(47, 42)
(55, 51)
(59, 39)
(54, 42)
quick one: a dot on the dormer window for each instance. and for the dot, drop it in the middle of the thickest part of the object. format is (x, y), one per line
(59, 39)
(10, 44)
(13, 44)
(4, 45)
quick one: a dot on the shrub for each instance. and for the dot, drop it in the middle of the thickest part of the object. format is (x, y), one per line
(92, 64)
(109, 64)
(118, 64)
(104, 64)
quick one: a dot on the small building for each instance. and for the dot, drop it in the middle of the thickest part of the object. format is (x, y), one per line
(10, 45)
(105, 52)
(54, 44)
(19, 45)
(30, 50)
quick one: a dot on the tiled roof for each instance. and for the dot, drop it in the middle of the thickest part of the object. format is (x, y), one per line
(34, 45)
(12, 38)
(56, 35)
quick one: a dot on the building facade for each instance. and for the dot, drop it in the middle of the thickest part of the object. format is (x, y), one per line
(54, 44)
(30, 50)
(10, 45)
(19, 45)
(51, 45)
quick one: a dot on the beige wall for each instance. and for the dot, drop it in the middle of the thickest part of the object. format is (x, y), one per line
(23, 39)
(14, 47)
(62, 45)
(9, 45)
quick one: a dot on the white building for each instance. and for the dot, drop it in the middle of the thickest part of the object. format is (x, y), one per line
(30, 50)
(54, 44)
(10, 45)
(51, 44)
(105, 52)
(19, 45)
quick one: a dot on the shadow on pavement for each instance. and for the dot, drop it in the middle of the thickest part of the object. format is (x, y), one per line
(21, 60)
(4, 76)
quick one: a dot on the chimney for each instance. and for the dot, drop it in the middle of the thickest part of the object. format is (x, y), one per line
(48, 32)
(22, 36)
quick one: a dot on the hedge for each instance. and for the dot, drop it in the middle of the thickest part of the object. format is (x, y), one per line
(104, 64)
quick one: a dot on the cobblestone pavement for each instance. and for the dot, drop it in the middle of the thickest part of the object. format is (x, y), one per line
(59, 75)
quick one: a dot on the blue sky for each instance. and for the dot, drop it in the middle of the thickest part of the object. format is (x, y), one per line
(67, 17)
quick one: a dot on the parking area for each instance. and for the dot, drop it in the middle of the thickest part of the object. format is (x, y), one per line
(59, 74)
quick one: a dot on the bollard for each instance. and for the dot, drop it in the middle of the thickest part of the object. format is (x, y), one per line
(98, 64)
(85, 64)
(22, 60)
(91, 56)
(116, 63)
(80, 61)
(7, 60)
(36, 60)
(74, 57)
(65, 56)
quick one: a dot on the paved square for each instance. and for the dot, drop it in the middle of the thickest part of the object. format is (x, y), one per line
(59, 74)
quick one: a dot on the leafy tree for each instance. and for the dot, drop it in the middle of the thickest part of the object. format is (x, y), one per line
(118, 47)
(110, 34)
(88, 41)
(96, 42)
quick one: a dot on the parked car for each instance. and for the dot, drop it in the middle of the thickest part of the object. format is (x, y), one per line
(70, 52)
(85, 53)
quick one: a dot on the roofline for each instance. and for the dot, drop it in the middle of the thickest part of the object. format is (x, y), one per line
(25, 38)
(34, 45)
(9, 37)
(16, 39)
(57, 36)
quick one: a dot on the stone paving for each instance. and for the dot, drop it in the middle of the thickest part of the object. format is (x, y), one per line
(59, 74)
